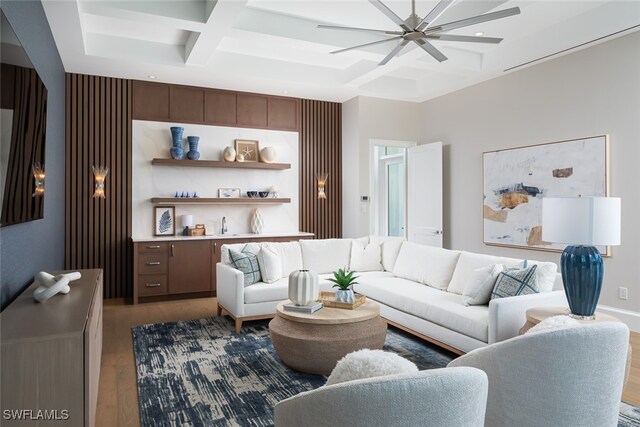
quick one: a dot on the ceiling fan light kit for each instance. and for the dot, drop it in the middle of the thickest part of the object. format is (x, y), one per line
(422, 31)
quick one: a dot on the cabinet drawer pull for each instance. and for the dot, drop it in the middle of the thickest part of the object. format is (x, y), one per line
(154, 263)
(153, 247)
(152, 285)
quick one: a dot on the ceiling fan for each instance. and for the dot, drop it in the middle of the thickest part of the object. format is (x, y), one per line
(422, 31)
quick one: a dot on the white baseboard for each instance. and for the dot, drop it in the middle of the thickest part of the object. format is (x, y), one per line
(631, 318)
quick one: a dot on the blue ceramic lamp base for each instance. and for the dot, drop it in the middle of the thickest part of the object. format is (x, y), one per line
(582, 272)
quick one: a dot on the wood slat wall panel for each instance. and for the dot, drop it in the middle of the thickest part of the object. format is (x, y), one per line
(99, 133)
(321, 151)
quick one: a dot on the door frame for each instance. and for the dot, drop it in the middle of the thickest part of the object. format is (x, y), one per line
(373, 186)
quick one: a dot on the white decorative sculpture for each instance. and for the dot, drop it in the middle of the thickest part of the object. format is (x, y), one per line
(268, 154)
(229, 154)
(50, 285)
(257, 222)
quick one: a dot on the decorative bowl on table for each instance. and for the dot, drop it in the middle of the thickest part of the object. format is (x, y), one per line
(252, 194)
(263, 194)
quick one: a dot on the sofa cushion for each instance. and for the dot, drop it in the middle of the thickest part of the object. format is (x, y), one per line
(247, 263)
(478, 289)
(516, 281)
(254, 248)
(442, 308)
(276, 291)
(325, 256)
(426, 264)
(367, 363)
(270, 265)
(289, 253)
(390, 249)
(365, 257)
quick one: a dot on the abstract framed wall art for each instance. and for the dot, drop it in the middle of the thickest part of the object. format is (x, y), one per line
(516, 180)
(164, 220)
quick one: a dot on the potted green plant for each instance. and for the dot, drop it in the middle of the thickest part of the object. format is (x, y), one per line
(344, 282)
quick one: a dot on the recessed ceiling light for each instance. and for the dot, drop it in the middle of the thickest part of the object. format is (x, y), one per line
(151, 76)
(479, 33)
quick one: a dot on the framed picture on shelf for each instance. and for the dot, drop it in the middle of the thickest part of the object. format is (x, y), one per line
(164, 220)
(228, 193)
(517, 179)
(249, 149)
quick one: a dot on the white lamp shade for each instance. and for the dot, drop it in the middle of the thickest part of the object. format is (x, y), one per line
(589, 221)
(186, 220)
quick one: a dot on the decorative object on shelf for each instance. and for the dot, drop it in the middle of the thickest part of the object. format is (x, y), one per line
(177, 152)
(164, 220)
(252, 194)
(193, 153)
(582, 223)
(228, 193)
(100, 175)
(195, 195)
(328, 299)
(263, 194)
(198, 231)
(257, 222)
(186, 221)
(240, 157)
(344, 282)
(516, 181)
(229, 154)
(50, 285)
(268, 155)
(248, 148)
(321, 179)
(273, 191)
(38, 176)
(303, 287)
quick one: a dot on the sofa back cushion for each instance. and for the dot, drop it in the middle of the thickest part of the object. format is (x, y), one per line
(365, 255)
(390, 248)
(325, 256)
(426, 264)
(290, 255)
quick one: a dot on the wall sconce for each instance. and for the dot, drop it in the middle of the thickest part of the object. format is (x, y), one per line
(100, 174)
(321, 178)
(38, 175)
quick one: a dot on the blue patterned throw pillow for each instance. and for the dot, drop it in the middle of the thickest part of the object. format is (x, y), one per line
(516, 281)
(246, 262)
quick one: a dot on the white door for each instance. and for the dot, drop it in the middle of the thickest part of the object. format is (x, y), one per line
(424, 194)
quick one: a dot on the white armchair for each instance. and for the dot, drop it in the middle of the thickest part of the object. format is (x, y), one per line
(571, 377)
(437, 398)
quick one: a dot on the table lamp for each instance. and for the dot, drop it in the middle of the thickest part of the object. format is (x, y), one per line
(582, 223)
(186, 221)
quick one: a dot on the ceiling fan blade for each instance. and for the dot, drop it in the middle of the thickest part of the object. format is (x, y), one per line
(434, 14)
(338, 27)
(472, 39)
(476, 19)
(389, 13)
(394, 52)
(431, 50)
(367, 44)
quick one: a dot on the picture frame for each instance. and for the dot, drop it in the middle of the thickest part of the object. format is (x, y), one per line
(249, 148)
(228, 193)
(164, 220)
(516, 180)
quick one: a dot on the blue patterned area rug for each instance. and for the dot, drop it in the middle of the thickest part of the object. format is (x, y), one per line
(201, 373)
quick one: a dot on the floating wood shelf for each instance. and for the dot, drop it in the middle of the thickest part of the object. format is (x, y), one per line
(219, 200)
(220, 164)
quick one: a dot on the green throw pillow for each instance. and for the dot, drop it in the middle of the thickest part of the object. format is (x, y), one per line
(516, 281)
(246, 262)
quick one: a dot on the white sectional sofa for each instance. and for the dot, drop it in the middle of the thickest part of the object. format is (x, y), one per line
(419, 288)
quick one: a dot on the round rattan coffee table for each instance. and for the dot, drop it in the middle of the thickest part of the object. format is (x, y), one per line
(313, 343)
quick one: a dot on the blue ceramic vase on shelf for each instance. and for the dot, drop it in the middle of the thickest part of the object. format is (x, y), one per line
(177, 152)
(193, 153)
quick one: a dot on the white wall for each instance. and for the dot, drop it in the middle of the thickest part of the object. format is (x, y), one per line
(594, 91)
(153, 140)
(365, 118)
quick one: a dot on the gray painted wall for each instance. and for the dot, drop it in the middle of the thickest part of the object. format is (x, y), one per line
(33, 246)
(593, 91)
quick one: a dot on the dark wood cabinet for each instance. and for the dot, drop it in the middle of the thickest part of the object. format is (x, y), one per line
(252, 110)
(150, 101)
(283, 113)
(186, 104)
(220, 107)
(190, 267)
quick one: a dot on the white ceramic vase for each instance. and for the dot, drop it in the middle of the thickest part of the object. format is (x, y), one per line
(268, 155)
(257, 222)
(345, 296)
(229, 154)
(303, 287)
(239, 157)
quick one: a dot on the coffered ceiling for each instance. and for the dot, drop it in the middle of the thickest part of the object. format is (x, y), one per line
(275, 46)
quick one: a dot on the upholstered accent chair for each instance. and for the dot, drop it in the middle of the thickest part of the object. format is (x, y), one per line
(438, 397)
(568, 377)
